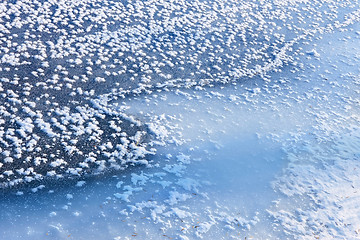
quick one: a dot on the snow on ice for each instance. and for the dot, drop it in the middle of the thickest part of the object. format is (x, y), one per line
(179, 119)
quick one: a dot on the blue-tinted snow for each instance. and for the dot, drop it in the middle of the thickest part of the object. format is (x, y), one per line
(270, 157)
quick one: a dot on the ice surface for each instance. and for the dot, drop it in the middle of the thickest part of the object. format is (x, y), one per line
(271, 154)
(63, 62)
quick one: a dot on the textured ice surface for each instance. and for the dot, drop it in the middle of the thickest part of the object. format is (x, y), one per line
(273, 154)
(62, 62)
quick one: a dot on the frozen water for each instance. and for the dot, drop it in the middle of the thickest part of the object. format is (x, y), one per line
(263, 148)
(63, 62)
